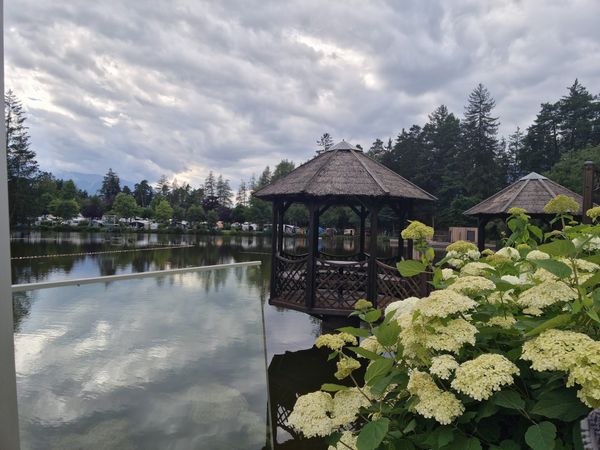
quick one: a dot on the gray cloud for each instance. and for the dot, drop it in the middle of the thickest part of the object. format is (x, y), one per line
(181, 87)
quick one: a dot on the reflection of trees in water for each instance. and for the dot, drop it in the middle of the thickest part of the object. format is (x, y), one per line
(32, 270)
(21, 308)
(290, 375)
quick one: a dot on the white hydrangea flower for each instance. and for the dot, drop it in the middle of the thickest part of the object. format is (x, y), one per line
(509, 252)
(407, 305)
(537, 254)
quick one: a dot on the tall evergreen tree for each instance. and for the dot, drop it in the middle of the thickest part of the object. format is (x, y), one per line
(377, 150)
(282, 169)
(210, 185)
(541, 150)
(224, 192)
(483, 175)
(111, 186)
(242, 194)
(325, 142)
(577, 112)
(22, 166)
(143, 193)
(514, 150)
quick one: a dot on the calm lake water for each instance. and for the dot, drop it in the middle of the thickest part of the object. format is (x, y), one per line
(176, 362)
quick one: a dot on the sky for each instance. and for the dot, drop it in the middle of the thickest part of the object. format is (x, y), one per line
(181, 87)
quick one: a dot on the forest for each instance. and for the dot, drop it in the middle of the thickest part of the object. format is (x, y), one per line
(459, 159)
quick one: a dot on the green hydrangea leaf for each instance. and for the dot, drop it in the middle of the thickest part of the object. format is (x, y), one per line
(541, 436)
(372, 434)
(410, 268)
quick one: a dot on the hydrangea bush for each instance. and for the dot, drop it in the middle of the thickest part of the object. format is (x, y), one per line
(503, 354)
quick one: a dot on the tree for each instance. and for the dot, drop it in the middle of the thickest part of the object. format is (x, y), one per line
(210, 185)
(212, 218)
(515, 148)
(223, 192)
(480, 145)
(241, 198)
(111, 186)
(325, 142)
(264, 179)
(163, 211)
(163, 186)
(376, 151)
(143, 193)
(65, 209)
(125, 205)
(568, 171)
(282, 169)
(92, 207)
(577, 111)
(22, 167)
(195, 213)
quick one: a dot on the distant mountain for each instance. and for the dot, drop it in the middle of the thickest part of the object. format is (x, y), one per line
(90, 182)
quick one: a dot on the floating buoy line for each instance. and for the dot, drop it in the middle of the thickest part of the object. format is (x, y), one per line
(57, 255)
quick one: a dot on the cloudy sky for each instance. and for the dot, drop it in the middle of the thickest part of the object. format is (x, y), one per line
(183, 87)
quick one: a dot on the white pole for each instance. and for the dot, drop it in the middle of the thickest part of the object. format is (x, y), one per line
(9, 418)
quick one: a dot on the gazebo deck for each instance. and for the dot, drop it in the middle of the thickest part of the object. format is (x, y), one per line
(340, 280)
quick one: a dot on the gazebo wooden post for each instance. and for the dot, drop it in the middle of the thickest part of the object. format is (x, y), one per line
(481, 223)
(361, 240)
(283, 207)
(275, 232)
(401, 213)
(588, 190)
(409, 242)
(372, 267)
(311, 263)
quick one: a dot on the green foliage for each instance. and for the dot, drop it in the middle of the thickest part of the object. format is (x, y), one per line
(496, 390)
(125, 205)
(163, 211)
(65, 209)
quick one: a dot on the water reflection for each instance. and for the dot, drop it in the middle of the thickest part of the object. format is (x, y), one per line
(132, 364)
(157, 364)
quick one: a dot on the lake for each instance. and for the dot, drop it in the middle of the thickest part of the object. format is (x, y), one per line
(174, 362)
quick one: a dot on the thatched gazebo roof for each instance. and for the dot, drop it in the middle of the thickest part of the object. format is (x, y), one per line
(342, 171)
(530, 192)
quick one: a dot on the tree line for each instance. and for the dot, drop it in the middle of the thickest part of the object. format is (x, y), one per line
(459, 160)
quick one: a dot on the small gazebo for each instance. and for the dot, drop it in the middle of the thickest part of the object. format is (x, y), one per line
(324, 284)
(530, 192)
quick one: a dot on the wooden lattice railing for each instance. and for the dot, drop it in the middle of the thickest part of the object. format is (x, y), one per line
(340, 284)
(391, 286)
(290, 279)
(293, 256)
(331, 257)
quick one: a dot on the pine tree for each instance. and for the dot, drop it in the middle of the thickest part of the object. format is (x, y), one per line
(224, 192)
(210, 185)
(143, 193)
(514, 150)
(282, 169)
(163, 187)
(577, 111)
(480, 145)
(264, 179)
(242, 195)
(542, 150)
(376, 151)
(21, 164)
(325, 143)
(111, 186)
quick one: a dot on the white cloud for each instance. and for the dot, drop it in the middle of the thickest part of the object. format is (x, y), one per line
(182, 87)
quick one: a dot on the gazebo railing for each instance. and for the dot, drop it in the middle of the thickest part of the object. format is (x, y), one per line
(290, 279)
(339, 284)
(392, 286)
(332, 257)
(293, 256)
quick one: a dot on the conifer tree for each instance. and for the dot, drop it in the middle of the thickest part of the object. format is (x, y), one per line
(22, 166)
(480, 145)
(111, 186)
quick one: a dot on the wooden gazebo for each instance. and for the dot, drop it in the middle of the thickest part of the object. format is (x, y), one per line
(324, 284)
(530, 192)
